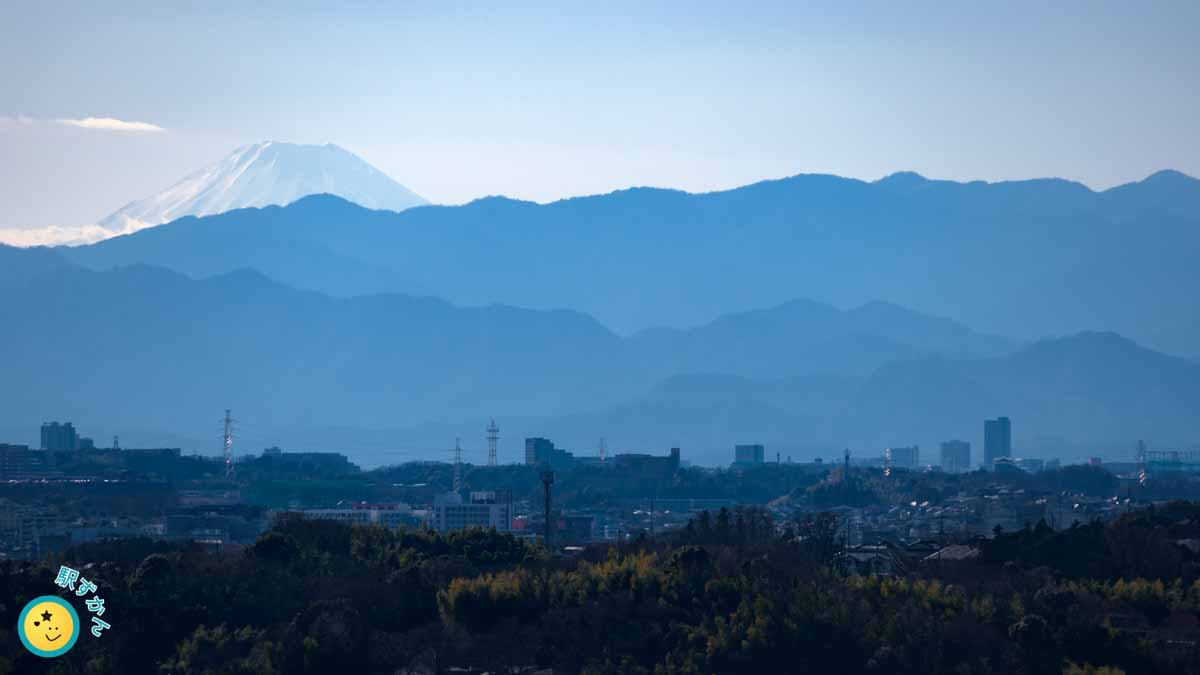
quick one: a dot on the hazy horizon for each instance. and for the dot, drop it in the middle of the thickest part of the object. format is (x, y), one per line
(134, 111)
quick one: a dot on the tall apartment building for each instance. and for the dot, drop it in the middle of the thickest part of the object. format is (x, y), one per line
(956, 456)
(997, 440)
(57, 436)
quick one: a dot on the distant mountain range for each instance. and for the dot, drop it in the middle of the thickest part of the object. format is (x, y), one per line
(803, 336)
(1024, 258)
(152, 354)
(318, 320)
(264, 174)
(1086, 394)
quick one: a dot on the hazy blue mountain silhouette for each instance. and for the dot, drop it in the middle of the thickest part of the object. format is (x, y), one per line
(803, 336)
(413, 358)
(140, 346)
(1089, 393)
(1097, 388)
(1023, 258)
(1168, 191)
(146, 349)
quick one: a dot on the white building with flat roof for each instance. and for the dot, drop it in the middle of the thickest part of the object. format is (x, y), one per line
(483, 509)
(390, 516)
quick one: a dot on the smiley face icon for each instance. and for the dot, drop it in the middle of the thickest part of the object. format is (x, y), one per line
(48, 626)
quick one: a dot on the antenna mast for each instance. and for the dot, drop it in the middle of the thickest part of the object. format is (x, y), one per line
(493, 436)
(1141, 462)
(228, 444)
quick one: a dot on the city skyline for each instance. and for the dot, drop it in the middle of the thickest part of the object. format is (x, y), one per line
(954, 456)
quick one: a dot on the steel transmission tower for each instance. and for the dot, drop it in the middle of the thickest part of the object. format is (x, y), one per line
(493, 436)
(228, 444)
(457, 466)
(547, 481)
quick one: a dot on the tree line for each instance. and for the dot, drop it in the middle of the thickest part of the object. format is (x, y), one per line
(733, 592)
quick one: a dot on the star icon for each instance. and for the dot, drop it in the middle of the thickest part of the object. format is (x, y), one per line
(46, 616)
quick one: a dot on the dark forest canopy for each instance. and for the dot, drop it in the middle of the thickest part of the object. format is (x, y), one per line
(733, 592)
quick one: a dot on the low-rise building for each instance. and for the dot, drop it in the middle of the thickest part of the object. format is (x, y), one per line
(1030, 464)
(482, 509)
(870, 560)
(390, 516)
(541, 452)
(648, 465)
(749, 455)
(18, 462)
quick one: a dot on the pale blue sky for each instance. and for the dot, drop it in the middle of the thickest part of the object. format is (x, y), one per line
(553, 100)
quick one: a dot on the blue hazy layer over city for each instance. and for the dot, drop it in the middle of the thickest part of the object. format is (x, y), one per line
(867, 226)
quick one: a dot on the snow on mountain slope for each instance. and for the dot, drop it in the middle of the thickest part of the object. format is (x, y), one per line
(263, 174)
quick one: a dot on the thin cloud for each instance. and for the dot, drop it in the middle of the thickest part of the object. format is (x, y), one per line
(18, 121)
(110, 124)
(60, 235)
(93, 123)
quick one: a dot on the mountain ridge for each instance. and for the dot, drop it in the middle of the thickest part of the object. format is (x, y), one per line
(166, 347)
(262, 174)
(1011, 258)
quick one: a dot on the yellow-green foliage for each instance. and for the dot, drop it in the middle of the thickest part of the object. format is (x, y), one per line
(1089, 669)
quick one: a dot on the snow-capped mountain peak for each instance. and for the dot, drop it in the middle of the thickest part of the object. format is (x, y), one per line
(263, 174)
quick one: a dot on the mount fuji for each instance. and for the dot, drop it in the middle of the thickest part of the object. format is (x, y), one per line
(264, 174)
